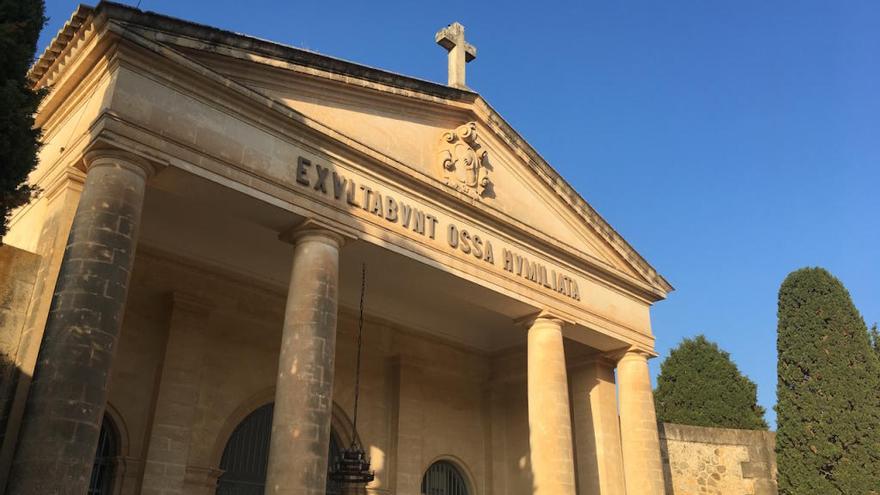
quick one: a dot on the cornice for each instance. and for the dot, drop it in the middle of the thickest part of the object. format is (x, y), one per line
(221, 39)
(570, 196)
(335, 91)
(60, 44)
(231, 58)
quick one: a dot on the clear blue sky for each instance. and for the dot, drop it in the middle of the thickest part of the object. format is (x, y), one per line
(729, 142)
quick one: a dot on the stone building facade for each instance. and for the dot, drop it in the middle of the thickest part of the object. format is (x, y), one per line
(187, 288)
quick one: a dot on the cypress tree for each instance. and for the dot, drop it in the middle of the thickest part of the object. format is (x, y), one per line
(875, 339)
(699, 385)
(828, 392)
(20, 24)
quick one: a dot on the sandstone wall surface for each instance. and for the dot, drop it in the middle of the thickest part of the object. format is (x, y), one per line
(18, 271)
(718, 461)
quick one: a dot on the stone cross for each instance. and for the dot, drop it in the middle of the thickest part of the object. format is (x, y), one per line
(460, 52)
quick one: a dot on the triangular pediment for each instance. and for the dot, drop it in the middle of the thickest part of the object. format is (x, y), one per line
(409, 122)
(411, 131)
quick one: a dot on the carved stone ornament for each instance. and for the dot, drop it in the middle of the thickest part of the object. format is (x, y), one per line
(464, 164)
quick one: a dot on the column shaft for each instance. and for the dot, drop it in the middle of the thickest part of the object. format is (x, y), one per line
(304, 393)
(549, 416)
(638, 427)
(596, 429)
(65, 406)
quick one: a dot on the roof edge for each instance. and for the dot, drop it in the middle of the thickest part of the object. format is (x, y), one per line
(577, 202)
(299, 56)
(59, 43)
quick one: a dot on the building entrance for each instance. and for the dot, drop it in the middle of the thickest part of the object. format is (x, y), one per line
(246, 456)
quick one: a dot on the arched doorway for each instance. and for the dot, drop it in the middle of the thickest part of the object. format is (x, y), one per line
(101, 482)
(246, 455)
(444, 478)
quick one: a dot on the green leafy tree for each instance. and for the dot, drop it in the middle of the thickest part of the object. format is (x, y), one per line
(20, 24)
(699, 385)
(828, 392)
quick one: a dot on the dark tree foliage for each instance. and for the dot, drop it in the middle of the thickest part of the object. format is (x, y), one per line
(875, 339)
(20, 24)
(699, 385)
(828, 392)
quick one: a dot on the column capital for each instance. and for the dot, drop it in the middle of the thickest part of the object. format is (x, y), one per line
(317, 230)
(597, 358)
(119, 158)
(70, 177)
(635, 353)
(541, 317)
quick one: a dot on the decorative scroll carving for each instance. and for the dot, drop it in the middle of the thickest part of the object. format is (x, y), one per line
(464, 164)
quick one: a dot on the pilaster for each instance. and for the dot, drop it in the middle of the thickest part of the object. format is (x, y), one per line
(596, 427)
(409, 426)
(165, 472)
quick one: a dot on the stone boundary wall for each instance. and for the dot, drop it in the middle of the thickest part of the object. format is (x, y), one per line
(18, 272)
(718, 461)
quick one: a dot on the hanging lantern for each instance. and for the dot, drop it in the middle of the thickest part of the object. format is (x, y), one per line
(352, 467)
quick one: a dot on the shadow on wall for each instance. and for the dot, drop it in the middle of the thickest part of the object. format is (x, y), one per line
(664, 459)
(9, 374)
(18, 272)
(717, 461)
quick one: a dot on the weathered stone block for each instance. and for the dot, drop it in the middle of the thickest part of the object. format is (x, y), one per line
(717, 461)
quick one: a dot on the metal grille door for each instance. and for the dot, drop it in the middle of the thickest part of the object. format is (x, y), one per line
(443, 478)
(101, 482)
(246, 456)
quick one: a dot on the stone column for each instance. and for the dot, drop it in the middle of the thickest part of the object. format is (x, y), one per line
(304, 390)
(65, 406)
(549, 416)
(596, 428)
(638, 426)
(166, 466)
